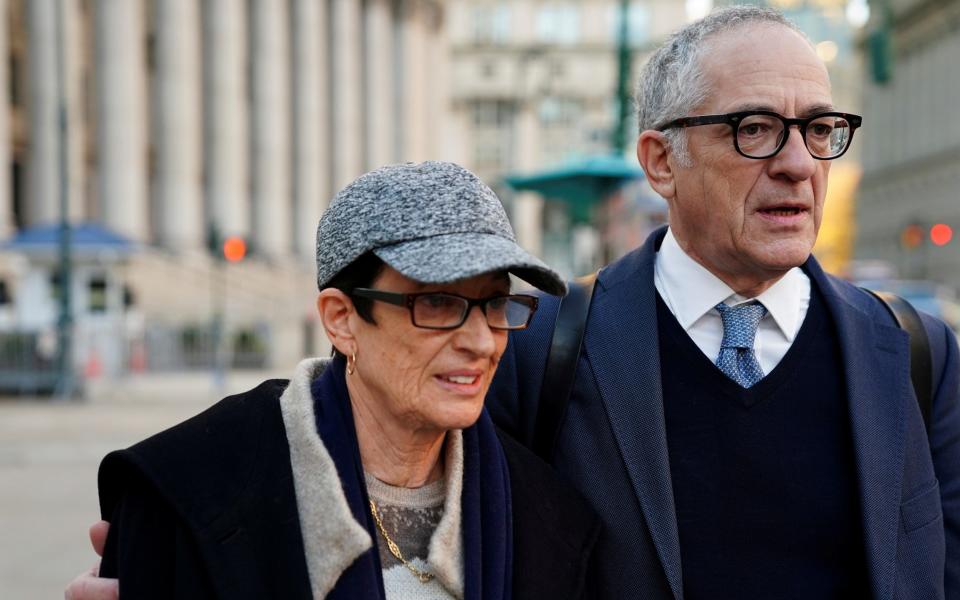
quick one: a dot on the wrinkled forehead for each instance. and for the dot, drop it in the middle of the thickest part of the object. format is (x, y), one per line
(764, 65)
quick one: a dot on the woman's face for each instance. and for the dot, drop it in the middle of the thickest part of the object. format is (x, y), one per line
(427, 380)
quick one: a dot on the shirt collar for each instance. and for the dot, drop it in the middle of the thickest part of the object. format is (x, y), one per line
(691, 291)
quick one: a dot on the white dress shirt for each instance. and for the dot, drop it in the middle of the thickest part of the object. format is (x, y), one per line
(691, 292)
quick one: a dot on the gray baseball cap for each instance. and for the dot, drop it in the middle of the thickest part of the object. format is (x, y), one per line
(434, 222)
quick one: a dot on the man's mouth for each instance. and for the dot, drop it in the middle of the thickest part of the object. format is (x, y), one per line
(783, 211)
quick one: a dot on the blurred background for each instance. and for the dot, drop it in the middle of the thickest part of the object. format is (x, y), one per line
(168, 160)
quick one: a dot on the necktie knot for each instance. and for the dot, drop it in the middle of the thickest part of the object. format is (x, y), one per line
(737, 359)
(740, 324)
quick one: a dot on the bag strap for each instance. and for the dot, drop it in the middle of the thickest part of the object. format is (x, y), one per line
(921, 364)
(561, 364)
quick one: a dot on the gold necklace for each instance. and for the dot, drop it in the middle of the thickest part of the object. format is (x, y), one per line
(423, 576)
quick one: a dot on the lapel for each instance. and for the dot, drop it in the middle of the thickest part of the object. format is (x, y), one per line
(876, 368)
(623, 316)
(293, 514)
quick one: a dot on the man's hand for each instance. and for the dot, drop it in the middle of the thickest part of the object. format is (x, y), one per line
(87, 585)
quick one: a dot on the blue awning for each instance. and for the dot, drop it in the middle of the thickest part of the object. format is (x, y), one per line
(85, 238)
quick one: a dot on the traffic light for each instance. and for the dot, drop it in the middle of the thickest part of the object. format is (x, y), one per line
(911, 236)
(234, 248)
(941, 234)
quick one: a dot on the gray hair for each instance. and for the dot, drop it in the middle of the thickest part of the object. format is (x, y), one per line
(672, 82)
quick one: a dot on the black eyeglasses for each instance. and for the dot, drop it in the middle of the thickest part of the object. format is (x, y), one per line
(762, 133)
(441, 310)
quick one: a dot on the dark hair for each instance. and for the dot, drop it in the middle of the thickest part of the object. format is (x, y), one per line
(360, 273)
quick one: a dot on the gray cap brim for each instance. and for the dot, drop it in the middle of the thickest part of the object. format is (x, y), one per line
(455, 256)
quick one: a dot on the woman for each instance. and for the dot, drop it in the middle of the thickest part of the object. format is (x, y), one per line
(376, 474)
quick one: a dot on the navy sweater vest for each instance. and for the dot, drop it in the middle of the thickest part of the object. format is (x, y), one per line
(763, 478)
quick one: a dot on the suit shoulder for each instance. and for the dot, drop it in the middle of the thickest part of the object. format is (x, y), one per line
(210, 454)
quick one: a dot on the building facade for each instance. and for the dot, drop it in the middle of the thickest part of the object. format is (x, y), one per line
(911, 137)
(534, 84)
(165, 121)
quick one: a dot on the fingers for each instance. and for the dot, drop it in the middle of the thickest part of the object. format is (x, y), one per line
(87, 586)
(98, 536)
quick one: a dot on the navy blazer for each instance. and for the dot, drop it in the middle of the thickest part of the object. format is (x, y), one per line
(612, 444)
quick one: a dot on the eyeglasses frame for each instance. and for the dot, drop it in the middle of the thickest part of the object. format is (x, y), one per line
(408, 301)
(734, 119)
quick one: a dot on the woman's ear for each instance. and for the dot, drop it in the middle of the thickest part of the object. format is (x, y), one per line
(336, 308)
(653, 153)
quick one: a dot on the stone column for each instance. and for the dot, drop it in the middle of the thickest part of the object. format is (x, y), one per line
(346, 146)
(6, 195)
(270, 135)
(75, 27)
(311, 167)
(381, 117)
(439, 139)
(121, 116)
(414, 85)
(176, 126)
(43, 172)
(225, 112)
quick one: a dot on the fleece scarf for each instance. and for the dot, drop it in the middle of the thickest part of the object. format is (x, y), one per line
(485, 501)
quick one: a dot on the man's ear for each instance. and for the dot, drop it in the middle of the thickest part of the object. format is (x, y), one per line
(653, 153)
(336, 309)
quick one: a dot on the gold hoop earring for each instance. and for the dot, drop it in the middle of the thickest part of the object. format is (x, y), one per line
(352, 363)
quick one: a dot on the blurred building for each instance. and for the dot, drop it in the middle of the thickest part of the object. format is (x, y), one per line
(911, 138)
(534, 83)
(189, 118)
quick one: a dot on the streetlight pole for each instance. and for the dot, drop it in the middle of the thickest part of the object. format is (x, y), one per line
(65, 382)
(619, 137)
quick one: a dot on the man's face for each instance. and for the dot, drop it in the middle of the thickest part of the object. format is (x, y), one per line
(749, 221)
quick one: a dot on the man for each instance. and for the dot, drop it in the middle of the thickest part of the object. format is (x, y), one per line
(744, 423)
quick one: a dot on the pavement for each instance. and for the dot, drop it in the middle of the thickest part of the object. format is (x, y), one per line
(49, 453)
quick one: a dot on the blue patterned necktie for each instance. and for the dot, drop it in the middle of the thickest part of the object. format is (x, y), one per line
(737, 359)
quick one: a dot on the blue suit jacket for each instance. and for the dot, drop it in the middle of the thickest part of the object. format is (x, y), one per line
(612, 444)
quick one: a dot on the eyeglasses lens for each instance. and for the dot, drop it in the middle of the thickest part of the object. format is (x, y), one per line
(759, 136)
(441, 311)
(438, 310)
(508, 313)
(828, 136)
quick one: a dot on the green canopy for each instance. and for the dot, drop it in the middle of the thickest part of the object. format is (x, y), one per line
(581, 183)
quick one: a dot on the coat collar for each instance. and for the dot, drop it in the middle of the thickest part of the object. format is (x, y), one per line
(875, 365)
(332, 537)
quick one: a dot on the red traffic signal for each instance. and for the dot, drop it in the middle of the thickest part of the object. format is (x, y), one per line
(941, 234)
(911, 236)
(234, 249)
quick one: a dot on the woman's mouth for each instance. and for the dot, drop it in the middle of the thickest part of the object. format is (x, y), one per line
(468, 382)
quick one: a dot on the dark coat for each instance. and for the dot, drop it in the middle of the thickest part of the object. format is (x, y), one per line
(613, 445)
(207, 509)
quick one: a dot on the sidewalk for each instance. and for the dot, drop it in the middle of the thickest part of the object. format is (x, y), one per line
(49, 453)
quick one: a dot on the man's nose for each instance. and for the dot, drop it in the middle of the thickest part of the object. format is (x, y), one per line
(794, 160)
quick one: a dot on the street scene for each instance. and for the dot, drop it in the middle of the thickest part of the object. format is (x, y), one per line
(169, 161)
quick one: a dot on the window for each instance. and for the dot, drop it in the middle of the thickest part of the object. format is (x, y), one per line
(558, 24)
(97, 289)
(491, 24)
(638, 21)
(560, 112)
(492, 113)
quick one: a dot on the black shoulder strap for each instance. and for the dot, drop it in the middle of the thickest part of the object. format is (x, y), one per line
(921, 365)
(562, 364)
